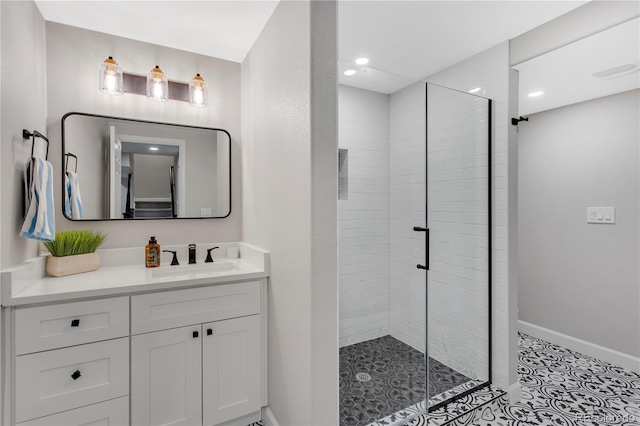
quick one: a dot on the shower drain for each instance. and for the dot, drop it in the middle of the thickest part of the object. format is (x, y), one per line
(363, 377)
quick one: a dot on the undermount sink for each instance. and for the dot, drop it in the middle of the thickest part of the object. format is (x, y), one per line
(200, 268)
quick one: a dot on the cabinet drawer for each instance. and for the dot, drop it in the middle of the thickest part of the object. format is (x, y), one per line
(55, 326)
(109, 413)
(45, 382)
(171, 309)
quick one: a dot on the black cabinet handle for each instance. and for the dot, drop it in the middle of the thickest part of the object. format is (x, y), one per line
(76, 374)
(75, 323)
(421, 267)
(209, 331)
(195, 334)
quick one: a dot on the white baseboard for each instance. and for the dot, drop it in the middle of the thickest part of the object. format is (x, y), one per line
(514, 393)
(599, 352)
(268, 419)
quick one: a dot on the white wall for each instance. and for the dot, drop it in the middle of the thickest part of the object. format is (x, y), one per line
(363, 219)
(576, 278)
(289, 134)
(490, 70)
(151, 179)
(73, 56)
(24, 106)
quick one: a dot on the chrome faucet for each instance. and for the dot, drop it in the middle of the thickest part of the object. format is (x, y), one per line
(192, 253)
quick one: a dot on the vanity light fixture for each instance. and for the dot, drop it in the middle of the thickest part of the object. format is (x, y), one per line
(157, 85)
(110, 79)
(349, 72)
(198, 92)
(362, 61)
(536, 94)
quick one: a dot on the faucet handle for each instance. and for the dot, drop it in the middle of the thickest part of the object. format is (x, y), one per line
(174, 261)
(209, 259)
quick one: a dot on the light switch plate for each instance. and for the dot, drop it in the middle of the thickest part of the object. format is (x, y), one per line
(601, 215)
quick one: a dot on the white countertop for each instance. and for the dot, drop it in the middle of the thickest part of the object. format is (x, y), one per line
(26, 284)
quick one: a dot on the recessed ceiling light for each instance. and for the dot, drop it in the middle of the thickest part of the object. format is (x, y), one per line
(349, 72)
(362, 61)
(536, 94)
(153, 148)
(475, 89)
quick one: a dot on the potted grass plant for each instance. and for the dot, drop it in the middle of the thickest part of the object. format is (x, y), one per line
(73, 252)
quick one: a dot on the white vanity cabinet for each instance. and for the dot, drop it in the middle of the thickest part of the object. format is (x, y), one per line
(206, 373)
(125, 345)
(69, 357)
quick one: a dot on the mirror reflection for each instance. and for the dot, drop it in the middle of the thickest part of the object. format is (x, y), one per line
(130, 169)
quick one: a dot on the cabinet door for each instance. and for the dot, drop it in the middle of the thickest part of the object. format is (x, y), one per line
(231, 384)
(166, 377)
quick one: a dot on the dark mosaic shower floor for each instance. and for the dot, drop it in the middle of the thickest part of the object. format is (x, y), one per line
(397, 379)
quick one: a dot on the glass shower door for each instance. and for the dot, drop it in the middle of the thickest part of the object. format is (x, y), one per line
(457, 243)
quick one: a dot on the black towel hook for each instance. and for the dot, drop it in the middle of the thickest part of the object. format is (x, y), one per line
(35, 134)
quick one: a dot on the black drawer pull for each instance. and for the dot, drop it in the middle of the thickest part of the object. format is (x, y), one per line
(195, 334)
(75, 323)
(76, 374)
(209, 331)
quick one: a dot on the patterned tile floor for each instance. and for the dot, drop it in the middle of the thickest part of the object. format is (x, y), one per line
(564, 388)
(397, 379)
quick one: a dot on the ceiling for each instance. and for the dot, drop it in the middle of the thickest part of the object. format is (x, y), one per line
(222, 29)
(405, 40)
(565, 74)
(410, 40)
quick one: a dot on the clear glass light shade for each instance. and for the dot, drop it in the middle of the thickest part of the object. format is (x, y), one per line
(110, 78)
(198, 92)
(157, 85)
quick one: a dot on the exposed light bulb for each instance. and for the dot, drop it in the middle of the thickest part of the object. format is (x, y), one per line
(198, 92)
(110, 82)
(157, 85)
(110, 79)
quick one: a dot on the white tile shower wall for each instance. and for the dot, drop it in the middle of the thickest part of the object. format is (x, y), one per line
(490, 71)
(457, 213)
(407, 209)
(363, 219)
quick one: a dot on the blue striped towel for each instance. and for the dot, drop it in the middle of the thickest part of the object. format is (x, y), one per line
(72, 198)
(39, 223)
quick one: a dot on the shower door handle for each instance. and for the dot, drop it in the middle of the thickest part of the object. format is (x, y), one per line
(426, 247)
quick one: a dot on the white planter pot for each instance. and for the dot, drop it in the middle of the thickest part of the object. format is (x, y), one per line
(69, 265)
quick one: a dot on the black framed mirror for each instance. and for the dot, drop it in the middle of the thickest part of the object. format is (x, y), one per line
(117, 168)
